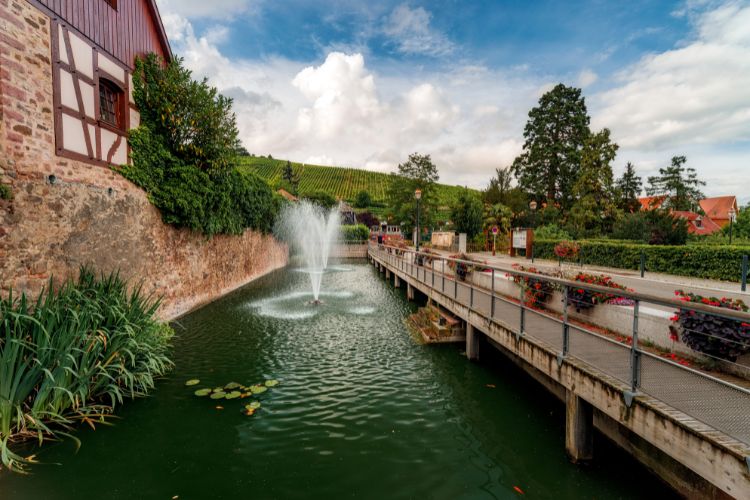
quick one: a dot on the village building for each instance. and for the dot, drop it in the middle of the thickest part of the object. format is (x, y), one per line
(715, 216)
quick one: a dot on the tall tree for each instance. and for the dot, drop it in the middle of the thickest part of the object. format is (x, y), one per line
(594, 205)
(417, 173)
(466, 214)
(679, 184)
(290, 176)
(629, 188)
(554, 137)
(499, 186)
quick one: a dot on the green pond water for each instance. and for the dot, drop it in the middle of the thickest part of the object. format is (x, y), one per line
(362, 411)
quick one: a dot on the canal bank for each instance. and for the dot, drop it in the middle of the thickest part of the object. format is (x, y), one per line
(361, 410)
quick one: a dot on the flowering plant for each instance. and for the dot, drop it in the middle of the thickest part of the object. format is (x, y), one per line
(582, 298)
(708, 333)
(567, 250)
(536, 291)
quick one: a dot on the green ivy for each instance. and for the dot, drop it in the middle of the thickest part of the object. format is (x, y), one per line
(698, 261)
(5, 192)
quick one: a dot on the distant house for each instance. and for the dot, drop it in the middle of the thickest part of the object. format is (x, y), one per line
(715, 213)
(718, 208)
(698, 224)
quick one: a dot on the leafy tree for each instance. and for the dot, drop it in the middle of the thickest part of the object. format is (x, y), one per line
(593, 191)
(368, 219)
(194, 121)
(629, 188)
(362, 200)
(467, 214)
(679, 184)
(242, 151)
(417, 173)
(290, 177)
(554, 135)
(499, 187)
(741, 225)
(321, 198)
(497, 215)
(551, 232)
(656, 227)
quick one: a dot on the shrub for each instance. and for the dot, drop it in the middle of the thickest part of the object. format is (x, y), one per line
(723, 338)
(699, 261)
(320, 198)
(358, 232)
(369, 219)
(463, 269)
(567, 250)
(5, 192)
(74, 355)
(362, 200)
(212, 202)
(195, 122)
(582, 298)
(551, 232)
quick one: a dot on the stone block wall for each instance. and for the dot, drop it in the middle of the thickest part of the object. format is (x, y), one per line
(64, 214)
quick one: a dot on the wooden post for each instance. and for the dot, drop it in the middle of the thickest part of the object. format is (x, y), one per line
(396, 281)
(409, 291)
(579, 428)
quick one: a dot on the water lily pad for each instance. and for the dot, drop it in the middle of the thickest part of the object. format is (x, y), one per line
(218, 395)
(233, 395)
(231, 386)
(194, 381)
(248, 411)
(245, 395)
(254, 405)
(258, 389)
(202, 392)
(218, 389)
(272, 383)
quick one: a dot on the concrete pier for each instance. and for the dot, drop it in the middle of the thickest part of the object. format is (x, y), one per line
(579, 428)
(396, 281)
(409, 291)
(472, 342)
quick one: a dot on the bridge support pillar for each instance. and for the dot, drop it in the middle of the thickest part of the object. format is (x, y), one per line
(409, 291)
(472, 343)
(387, 274)
(396, 281)
(579, 428)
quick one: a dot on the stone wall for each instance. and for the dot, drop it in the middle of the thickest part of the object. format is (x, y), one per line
(64, 214)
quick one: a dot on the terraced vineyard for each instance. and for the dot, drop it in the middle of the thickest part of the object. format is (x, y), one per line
(340, 182)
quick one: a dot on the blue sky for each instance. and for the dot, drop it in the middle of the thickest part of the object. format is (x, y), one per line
(365, 83)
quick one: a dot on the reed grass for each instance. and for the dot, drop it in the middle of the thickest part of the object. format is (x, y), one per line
(72, 356)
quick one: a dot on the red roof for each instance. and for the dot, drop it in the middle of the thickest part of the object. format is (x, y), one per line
(718, 208)
(651, 202)
(697, 224)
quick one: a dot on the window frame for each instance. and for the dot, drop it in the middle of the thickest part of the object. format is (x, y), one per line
(118, 105)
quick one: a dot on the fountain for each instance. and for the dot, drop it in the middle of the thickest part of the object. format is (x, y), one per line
(310, 231)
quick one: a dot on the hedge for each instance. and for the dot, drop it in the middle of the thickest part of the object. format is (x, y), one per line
(357, 232)
(697, 261)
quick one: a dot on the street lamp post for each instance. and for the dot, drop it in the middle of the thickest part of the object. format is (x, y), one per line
(533, 206)
(732, 215)
(418, 196)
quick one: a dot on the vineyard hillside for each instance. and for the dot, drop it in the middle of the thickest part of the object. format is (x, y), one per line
(342, 183)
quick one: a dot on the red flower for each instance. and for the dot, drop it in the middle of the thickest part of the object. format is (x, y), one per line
(676, 317)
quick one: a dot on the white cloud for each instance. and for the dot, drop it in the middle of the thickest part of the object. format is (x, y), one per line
(411, 31)
(587, 77)
(217, 9)
(699, 92)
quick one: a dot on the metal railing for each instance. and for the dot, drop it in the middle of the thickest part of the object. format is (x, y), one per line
(718, 403)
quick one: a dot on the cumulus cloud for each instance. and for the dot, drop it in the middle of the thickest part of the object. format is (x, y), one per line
(411, 32)
(697, 92)
(587, 77)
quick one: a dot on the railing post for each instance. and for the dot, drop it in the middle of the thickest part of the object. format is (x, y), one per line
(643, 263)
(744, 272)
(492, 299)
(471, 296)
(522, 321)
(433, 273)
(566, 328)
(443, 273)
(635, 359)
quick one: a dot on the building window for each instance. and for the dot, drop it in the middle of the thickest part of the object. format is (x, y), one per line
(110, 103)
